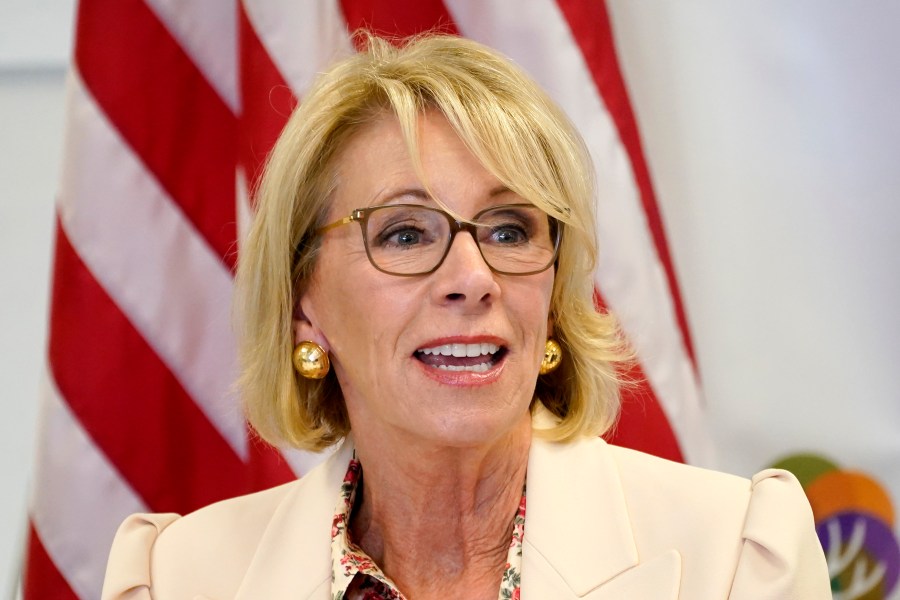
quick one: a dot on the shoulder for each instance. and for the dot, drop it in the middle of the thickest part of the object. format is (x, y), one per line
(213, 551)
(758, 533)
(736, 537)
(781, 556)
(772, 500)
(153, 550)
(689, 491)
(646, 480)
(643, 479)
(229, 530)
(665, 504)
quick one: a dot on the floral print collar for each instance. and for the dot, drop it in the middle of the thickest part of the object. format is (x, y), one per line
(355, 576)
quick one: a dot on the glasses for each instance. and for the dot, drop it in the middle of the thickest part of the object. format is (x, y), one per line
(409, 239)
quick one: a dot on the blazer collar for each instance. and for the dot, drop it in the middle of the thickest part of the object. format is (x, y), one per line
(578, 537)
(286, 559)
(578, 532)
(576, 515)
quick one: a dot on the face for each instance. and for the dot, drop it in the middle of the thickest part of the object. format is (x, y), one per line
(385, 333)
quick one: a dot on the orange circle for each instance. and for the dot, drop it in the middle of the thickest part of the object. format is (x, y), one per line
(843, 491)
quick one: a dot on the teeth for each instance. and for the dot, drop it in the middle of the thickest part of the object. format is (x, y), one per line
(479, 368)
(461, 350)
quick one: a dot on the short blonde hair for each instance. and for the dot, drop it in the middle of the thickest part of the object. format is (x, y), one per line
(514, 130)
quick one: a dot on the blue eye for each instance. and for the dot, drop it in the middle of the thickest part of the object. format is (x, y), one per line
(407, 237)
(509, 234)
(402, 237)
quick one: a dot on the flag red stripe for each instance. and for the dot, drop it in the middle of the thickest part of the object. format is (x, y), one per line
(41, 578)
(398, 18)
(266, 99)
(165, 109)
(642, 423)
(590, 26)
(148, 427)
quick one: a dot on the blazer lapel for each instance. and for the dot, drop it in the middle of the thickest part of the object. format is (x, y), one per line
(655, 579)
(287, 563)
(578, 537)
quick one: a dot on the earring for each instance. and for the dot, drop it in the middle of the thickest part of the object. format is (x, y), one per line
(552, 357)
(310, 360)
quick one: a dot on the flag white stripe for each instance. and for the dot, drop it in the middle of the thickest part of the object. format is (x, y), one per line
(300, 37)
(207, 31)
(76, 535)
(630, 274)
(151, 261)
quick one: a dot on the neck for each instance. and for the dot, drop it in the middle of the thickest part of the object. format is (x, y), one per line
(437, 518)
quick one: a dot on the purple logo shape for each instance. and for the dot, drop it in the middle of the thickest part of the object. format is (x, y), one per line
(863, 555)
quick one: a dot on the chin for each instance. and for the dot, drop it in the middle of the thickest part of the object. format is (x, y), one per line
(472, 431)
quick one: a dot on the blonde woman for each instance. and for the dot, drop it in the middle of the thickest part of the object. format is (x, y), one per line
(417, 289)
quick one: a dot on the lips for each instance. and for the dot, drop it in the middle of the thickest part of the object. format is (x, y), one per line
(477, 357)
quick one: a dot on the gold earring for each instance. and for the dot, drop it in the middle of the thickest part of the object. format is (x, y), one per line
(310, 360)
(552, 357)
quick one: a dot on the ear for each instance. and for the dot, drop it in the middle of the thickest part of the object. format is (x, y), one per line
(549, 326)
(305, 329)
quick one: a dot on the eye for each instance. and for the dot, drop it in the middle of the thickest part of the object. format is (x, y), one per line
(398, 228)
(402, 236)
(510, 233)
(406, 237)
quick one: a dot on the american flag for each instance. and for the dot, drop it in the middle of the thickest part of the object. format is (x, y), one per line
(172, 106)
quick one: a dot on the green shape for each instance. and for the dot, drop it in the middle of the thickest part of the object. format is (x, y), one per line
(806, 467)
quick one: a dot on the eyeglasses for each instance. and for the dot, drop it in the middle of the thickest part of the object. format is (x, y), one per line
(409, 239)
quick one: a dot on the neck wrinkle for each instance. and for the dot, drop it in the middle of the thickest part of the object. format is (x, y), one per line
(429, 516)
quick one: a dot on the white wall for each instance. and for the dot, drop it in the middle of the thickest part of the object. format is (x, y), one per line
(30, 140)
(34, 42)
(773, 137)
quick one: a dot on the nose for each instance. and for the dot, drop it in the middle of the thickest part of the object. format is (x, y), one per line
(464, 278)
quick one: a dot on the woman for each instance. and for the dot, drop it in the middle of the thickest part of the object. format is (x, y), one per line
(425, 244)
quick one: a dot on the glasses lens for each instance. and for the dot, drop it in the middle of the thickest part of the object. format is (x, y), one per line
(517, 239)
(406, 240)
(409, 240)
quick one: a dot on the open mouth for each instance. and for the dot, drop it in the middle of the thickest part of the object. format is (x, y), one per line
(474, 358)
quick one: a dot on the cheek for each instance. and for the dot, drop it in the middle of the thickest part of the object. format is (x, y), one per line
(362, 313)
(534, 300)
(335, 287)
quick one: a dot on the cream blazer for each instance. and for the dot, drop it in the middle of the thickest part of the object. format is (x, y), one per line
(602, 523)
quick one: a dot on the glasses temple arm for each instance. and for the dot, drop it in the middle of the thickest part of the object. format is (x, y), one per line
(336, 224)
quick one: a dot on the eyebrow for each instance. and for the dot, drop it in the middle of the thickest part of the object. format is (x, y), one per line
(421, 194)
(417, 193)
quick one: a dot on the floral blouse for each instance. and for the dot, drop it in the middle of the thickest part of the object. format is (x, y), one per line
(355, 576)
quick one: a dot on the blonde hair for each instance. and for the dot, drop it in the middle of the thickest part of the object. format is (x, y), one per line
(514, 130)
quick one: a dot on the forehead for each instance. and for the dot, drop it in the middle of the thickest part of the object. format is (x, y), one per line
(376, 165)
(377, 144)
